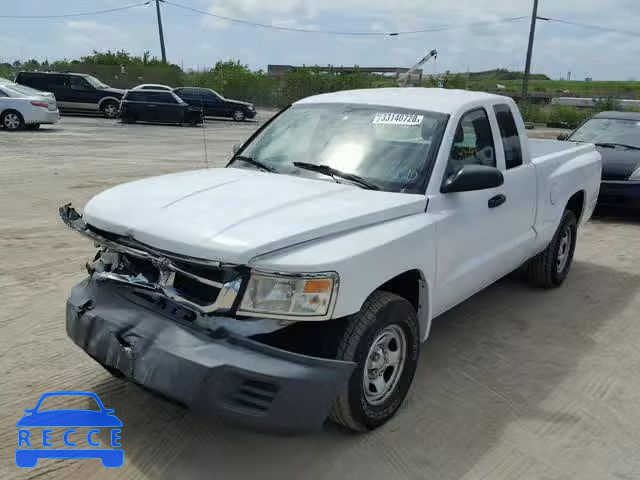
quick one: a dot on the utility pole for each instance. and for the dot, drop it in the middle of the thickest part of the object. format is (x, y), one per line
(164, 53)
(527, 68)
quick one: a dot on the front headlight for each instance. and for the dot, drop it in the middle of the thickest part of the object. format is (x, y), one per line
(251, 108)
(290, 296)
(635, 175)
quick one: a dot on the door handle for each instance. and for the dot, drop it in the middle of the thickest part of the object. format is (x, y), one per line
(497, 201)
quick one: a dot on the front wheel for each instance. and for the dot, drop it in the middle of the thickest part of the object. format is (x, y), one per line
(383, 340)
(550, 268)
(239, 116)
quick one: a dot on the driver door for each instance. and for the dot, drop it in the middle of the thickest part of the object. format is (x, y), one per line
(472, 248)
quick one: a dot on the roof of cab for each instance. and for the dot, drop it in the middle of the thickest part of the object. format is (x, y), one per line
(415, 98)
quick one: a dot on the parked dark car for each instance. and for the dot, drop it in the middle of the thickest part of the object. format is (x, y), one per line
(215, 105)
(75, 92)
(617, 137)
(157, 106)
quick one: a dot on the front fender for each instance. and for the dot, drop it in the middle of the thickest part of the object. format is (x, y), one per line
(365, 259)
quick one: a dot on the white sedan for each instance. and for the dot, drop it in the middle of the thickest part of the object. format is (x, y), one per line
(19, 110)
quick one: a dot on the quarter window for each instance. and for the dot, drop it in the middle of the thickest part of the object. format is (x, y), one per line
(510, 136)
(473, 143)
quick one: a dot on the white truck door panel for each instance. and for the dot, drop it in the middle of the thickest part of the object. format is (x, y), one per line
(479, 241)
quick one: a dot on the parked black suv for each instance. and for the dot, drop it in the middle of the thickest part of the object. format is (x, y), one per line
(157, 106)
(214, 104)
(75, 91)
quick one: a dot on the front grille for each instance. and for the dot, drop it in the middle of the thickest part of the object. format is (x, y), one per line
(197, 286)
(196, 291)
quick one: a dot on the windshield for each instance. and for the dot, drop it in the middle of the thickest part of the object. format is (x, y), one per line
(95, 82)
(390, 147)
(609, 130)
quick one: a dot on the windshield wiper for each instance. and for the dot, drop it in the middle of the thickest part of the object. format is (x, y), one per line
(255, 163)
(332, 172)
(614, 145)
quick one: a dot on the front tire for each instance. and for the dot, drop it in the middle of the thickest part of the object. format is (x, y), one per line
(12, 120)
(110, 109)
(549, 269)
(383, 340)
(239, 116)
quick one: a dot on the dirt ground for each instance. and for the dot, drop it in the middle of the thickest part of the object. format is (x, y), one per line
(516, 383)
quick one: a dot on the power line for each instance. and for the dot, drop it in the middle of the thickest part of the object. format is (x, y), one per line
(65, 15)
(594, 27)
(334, 32)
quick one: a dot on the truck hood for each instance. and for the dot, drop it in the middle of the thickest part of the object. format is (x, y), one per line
(233, 215)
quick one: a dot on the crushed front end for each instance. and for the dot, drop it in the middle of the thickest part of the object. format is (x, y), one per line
(169, 322)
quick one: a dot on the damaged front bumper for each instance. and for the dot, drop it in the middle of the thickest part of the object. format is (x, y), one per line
(214, 372)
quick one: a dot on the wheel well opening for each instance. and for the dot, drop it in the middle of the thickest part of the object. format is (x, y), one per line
(576, 204)
(407, 286)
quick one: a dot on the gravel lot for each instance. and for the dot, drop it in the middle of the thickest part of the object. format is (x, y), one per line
(515, 383)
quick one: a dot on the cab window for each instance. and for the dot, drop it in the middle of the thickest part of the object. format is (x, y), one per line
(79, 83)
(510, 136)
(473, 142)
(164, 97)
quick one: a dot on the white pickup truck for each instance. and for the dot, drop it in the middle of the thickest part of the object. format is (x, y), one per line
(298, 282)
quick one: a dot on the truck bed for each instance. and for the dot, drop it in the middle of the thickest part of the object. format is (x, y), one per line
(542, 148)
(562, 167)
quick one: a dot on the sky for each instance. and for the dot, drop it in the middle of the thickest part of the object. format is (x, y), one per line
(197, 41)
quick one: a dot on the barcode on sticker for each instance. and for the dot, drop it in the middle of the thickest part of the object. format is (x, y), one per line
(408, 119)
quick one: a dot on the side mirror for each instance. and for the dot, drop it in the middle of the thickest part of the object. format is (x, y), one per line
(473, 177)
(236, 148)
(563, 136)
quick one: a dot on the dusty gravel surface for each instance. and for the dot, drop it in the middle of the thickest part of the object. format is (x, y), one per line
(516, 383)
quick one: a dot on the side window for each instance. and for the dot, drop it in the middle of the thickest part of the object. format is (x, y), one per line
(58, 81)
(510, 136)
(473, 142)
(164, 98)
(135, 96)
(78, 83)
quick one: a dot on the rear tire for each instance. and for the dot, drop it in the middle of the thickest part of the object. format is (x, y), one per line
(386, 328)
(12, 120)
(550, 268)
(110, 109)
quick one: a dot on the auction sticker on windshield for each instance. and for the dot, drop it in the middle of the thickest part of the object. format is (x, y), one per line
(407, 119)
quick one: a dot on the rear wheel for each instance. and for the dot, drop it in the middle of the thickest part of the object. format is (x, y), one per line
(383, 340)
(239, 116)
(110, 109)
(12, 120)
(550, 268)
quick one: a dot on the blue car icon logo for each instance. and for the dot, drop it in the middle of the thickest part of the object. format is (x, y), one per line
(69, 420)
